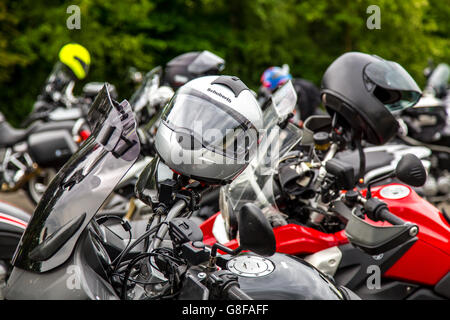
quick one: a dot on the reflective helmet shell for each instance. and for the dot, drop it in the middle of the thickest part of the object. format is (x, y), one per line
(223, 103)
(76, 58)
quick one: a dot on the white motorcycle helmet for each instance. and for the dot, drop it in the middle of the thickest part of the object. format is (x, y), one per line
(209, 130)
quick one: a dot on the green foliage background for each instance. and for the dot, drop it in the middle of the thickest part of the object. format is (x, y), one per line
(250, 34)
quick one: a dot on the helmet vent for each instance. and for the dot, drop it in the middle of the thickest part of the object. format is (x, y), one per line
(233, 83)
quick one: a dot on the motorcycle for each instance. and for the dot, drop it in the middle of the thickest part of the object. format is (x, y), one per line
(57, 102)
(315, 220)
(32, 166)
(30, 157)
(67, 253)
(428, 124)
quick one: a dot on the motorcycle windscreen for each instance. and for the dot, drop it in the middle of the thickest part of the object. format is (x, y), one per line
(439, 78)
(255, 183)
(149, 85)
(80, 187)
(206, 61)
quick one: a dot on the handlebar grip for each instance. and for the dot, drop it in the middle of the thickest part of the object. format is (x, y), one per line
(235, 293)
(386, 215)
(378, 210)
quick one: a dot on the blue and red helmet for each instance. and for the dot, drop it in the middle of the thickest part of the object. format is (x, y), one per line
(274, 77)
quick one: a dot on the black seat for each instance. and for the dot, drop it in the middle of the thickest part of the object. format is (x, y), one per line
(374, 159)
(9, 136)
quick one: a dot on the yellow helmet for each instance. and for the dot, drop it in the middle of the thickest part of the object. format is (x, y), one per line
(76, 58)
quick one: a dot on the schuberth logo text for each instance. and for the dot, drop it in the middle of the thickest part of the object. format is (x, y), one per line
(219, 94)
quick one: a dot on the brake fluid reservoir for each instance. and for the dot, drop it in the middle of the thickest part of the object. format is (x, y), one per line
(321, 141)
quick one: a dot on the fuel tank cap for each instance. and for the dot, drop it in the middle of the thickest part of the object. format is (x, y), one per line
(250, 266)
(395, 192)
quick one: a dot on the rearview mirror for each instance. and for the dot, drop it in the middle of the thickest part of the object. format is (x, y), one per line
(255, 231)
(147, 185)
(410, 170)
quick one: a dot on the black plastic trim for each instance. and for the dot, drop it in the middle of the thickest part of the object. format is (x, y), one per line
(443, 286)
(352, 272)
(233, 83)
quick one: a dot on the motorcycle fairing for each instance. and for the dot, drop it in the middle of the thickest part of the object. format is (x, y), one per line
(356, 267)
(81, 186)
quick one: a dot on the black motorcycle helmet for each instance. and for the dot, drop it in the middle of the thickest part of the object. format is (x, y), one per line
(191, 65)
(365, 91)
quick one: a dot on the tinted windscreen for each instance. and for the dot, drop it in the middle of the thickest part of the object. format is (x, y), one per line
(439, 77)
(149, 85)
(80, 187)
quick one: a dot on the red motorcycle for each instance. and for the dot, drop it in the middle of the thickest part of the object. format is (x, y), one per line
(417, 269)
(385, 243)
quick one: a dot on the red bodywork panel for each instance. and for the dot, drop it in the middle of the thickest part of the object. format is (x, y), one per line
(426, 262)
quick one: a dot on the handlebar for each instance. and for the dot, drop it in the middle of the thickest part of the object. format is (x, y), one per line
(235, 293)
(374, 239)
(173, 213)
(378, 210)
(386, 215)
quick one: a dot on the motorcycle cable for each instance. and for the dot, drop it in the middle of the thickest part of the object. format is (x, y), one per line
(172, 263)
(153, 219)
(116, 262)
(123, 294)
(124, 223)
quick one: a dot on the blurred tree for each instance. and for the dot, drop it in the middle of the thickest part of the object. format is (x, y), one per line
(250, 34)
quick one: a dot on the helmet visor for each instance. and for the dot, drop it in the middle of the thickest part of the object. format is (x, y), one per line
(398, 90)
(200, 121)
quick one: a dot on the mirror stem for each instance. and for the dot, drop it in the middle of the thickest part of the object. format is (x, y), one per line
(381, 178)
(215, 247)
(357, 136)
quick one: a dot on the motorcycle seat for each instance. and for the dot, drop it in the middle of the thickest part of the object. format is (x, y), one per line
(10, 136)
(374, 159)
